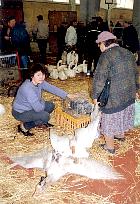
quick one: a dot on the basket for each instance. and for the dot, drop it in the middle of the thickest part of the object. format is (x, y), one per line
(69, 122)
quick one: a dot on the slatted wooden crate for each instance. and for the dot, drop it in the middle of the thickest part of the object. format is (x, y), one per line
(69, 122)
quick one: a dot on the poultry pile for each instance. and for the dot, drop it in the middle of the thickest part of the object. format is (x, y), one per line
(67, 67)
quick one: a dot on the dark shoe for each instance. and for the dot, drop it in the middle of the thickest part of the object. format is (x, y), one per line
(103, 146)
(119, 139)
(24, 133)
(48, 125)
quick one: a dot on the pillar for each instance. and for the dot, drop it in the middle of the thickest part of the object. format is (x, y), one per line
(88, 9)
(73, 5)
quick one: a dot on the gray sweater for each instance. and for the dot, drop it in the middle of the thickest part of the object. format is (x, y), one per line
(122, 66)
(29, 96)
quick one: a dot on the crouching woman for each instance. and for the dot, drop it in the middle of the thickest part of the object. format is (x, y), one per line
(29, 107)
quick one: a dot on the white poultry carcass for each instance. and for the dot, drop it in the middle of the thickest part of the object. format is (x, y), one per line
(54, 74)
(57, 166)
(84, 137)
(39, 159)
(69, 58)
(2, 109)
(72, 57)
(61, 75)
(60, 66)
(61, 144)
(64, 57)
(79, 68)
(71, 72)
(50, 67)
(84, 66)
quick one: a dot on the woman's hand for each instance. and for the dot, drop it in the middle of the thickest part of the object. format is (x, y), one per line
(72, 96)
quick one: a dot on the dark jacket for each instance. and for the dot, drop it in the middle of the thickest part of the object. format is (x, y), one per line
(122, 66)
(21, 40)
(6, 45)
(130, 39)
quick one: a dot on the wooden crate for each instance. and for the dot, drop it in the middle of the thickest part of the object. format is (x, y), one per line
(69, 122)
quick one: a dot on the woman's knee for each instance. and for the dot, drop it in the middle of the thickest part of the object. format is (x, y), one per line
(52, 107)
(49, 106)
(45, 116)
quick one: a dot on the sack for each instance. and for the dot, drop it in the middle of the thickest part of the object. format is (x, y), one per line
(104, 95)
(137, 114)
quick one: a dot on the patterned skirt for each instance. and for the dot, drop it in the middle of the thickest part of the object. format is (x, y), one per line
(117, 123)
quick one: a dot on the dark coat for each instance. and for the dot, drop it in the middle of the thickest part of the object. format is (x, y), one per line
(130, 39)
(20, 40)
(122, 66)
(6, 45)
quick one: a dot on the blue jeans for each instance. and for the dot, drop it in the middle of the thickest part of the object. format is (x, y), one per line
(24, 61)
(32, 119)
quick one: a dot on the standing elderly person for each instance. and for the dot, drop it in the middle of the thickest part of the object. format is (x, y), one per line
(41, 30)
(119, 64)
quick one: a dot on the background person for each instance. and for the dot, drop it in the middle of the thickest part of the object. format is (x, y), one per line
(21, 42)
(6, 44)
(61, 33)
(41, 31)
(119, 64)
(130, 37)
(28, 106)
(71, 36)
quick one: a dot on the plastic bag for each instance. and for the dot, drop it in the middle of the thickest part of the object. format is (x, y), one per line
(137, 114)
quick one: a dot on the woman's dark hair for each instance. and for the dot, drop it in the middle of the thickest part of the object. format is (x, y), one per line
(9, 18)
(37, 68)
(40, 17)
(109, 42)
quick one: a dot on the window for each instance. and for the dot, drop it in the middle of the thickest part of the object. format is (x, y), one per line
(128, 4)
(64, 1)
(77, 1)
(125, 4)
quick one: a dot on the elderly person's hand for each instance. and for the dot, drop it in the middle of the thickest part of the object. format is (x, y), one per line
(95, 101)
(137, 96)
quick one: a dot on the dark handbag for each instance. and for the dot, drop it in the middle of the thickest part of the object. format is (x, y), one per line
(104, 95)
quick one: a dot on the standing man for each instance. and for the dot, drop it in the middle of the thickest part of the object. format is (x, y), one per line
(41, 30)
(130, 37)
(61, 33)
(6, 45)
(21, 42)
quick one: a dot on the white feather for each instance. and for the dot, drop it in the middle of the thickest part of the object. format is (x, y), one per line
(54, 74)
(50, 67)
(2, 109)
(61, 144)
(62, 75)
